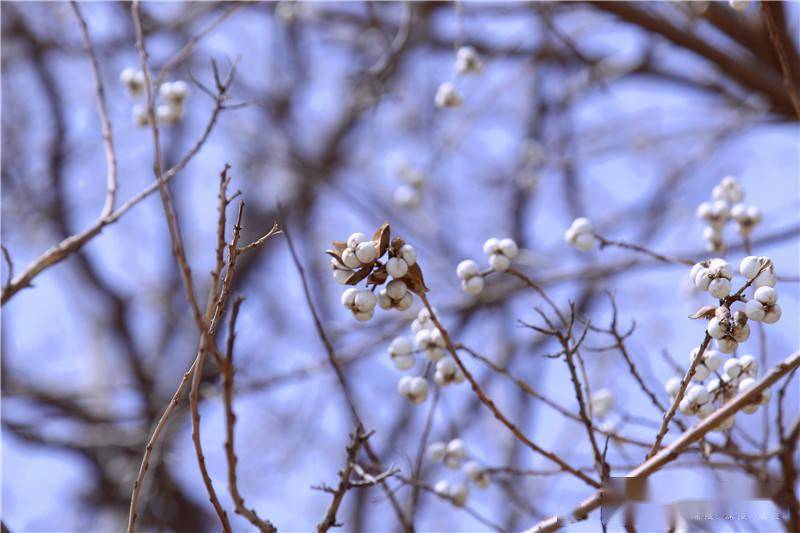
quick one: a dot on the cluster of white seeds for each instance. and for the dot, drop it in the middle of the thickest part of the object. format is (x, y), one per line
(428, 340)
(500, 253)
(467, 62)
(409, 195)
(728, 330)
(447, 373)
(360, 252)
(471, 277)
(401, 350)
(737, 376)
(448, 96)
(752, 265)
(173, 95)
(712, 361)
(133, 80)
(714, 276)
(580, 234)
(361, 302)
(413, 388)
(602, 401)
(726, 205)
(454, 455)
(431, 342)
(763, 307)
(395, 295)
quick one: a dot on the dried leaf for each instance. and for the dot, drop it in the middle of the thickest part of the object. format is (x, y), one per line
(382, 236)
(414, 280)
(707, 311)
(394, 249)
(358, 275)
(340, 245)
(338, 258)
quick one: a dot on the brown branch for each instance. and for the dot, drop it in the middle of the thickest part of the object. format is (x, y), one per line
(527, 389)
(178, 251)
(494, 409)
(678, 397)
(357, 440)
(69, 245)
(671, 452)
(187, 49)
(166, 199)
(643, 250)
(230, 421)
(108, 141)
(788, 80)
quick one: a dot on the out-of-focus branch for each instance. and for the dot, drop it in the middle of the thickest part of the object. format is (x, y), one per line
(780, 50)
(105, 122)
(73, 243)
(230, 420)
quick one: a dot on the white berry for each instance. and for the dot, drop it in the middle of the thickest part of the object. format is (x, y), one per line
(396, 267)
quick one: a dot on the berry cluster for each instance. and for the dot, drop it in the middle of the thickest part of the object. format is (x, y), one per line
(414, 388)
(737, 375)
(714, 276)
(409, 195)
(500, 253)
(467, 62)
(172, 93)
(580, 234)
(360, 257)
(428, 340)
(453, 455)
(726, 205)
(728, 328)
(764, 306)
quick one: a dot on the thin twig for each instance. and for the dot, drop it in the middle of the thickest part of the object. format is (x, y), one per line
(643, 250)
(494, 409)
(265, 526)
(357, 440)
(105, 122)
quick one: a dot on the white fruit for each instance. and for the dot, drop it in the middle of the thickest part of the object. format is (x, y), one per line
(467, 269)
(499, 262)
